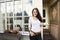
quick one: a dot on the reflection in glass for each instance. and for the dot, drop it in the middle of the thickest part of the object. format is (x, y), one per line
(8, 20)
(18, 21)
(27, 7)
(18, 18)
(26, 27)
(9, 23)
(25, 13)
(9, 7)
(11, 14)
(11, 20)
(18, 14)
(3, 8)
(18, 8)
(4, 23)
(8, 27)
(26, 19)
(11, 27)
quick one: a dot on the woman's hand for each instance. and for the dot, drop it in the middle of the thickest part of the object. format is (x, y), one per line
(32, 34)
(41, 24)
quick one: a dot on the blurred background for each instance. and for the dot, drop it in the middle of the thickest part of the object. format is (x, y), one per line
(17, 12)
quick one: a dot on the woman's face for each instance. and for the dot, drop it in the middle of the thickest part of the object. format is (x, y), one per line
(35, 13)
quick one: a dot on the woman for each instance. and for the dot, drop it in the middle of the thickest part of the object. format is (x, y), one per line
(34, 25)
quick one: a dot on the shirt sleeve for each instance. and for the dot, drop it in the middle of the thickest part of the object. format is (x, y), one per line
(29, 24)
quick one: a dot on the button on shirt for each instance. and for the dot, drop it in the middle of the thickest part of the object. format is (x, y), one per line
(34, 25)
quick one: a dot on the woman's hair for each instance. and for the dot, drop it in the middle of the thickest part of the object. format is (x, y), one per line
(38, 14)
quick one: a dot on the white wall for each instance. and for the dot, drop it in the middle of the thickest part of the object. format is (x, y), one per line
(39, 5)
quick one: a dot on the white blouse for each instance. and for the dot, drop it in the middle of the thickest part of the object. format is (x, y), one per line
(34, 25)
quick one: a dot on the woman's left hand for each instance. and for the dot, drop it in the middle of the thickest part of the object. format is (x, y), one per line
(32, 34)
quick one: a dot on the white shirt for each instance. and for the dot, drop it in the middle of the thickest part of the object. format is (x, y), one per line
(34, 24)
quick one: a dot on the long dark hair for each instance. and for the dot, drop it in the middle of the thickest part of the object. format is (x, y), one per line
(38, 15)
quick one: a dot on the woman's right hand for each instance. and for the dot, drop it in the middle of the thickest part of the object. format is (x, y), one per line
(32, 34)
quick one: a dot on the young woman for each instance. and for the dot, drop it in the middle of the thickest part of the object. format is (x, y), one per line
(34, 25)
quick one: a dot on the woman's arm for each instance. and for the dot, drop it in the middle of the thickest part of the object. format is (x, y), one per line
(30, 26)
(31, 33)
(42, 33)
(41, 30)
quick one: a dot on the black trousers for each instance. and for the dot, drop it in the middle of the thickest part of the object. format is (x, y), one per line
(36, 37)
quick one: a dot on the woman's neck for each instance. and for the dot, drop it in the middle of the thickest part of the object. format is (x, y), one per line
(35, 18)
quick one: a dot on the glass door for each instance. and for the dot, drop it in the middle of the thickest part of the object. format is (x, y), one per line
(17, 12)
(9, 14)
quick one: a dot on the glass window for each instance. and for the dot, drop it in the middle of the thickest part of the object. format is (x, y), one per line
(26, 27)
(9, 7)
(27, 7)
(18, 21)
(18, 8)
(2, 16)
(18, 14)
(18, 18)
(25, 13)
(26, 19)
(3, 8)
(9, 13)
(10, 23)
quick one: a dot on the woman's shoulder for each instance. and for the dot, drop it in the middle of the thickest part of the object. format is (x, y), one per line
(30, 17)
